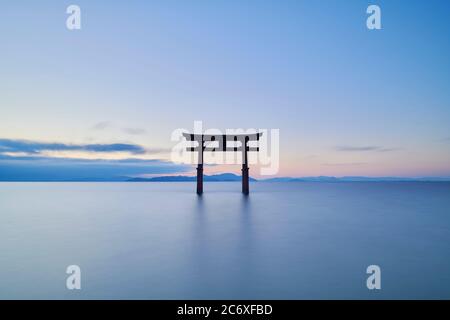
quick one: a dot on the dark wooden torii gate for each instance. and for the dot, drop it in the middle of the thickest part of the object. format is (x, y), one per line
(223, 140)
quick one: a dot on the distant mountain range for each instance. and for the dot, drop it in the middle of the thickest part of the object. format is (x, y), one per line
(229, 177)
(224, 177)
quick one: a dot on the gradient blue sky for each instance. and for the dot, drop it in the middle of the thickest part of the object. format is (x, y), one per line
(347, 100)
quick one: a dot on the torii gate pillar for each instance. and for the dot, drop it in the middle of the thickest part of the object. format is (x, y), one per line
(200, 167)
(245, 183)
(200, 179)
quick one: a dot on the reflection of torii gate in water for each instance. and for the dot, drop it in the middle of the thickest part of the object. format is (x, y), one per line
(223, 140)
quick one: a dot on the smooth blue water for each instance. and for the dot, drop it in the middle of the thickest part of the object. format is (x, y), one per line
(287, 240)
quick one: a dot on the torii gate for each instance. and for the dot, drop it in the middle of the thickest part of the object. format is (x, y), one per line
(223, 139)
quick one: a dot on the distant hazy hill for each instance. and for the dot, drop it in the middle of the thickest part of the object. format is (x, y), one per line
(306, 179)
(224, 177)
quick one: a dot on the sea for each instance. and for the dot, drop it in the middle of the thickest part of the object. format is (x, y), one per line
(286, 240)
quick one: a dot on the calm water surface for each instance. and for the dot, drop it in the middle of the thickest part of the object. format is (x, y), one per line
(287, 240)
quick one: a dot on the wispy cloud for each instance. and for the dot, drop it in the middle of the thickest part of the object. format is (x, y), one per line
(134, 131)
(34, 147)
(105, 125)
(102, 125)
(364, 148)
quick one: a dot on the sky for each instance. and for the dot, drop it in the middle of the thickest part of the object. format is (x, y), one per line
(348, 101)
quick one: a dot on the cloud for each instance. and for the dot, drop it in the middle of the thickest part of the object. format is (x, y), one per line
(24, 160)
(364, 148)
(102, 125)
(33, 147)
(116, 147)
(28, 168)
(134, 131)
